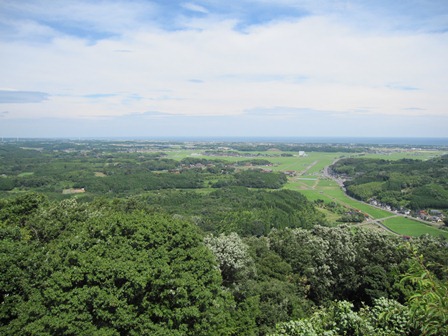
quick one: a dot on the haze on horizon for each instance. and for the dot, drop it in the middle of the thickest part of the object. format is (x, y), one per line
(370, 68)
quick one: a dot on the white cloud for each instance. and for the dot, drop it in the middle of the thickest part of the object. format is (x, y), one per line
(341, 69)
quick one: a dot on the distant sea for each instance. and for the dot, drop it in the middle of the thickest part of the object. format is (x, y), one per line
(308, 140)
(417, 141)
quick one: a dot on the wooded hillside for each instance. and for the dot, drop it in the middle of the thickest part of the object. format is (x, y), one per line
(114, 267)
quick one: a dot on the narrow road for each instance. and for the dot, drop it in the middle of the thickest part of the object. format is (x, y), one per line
(379, 223)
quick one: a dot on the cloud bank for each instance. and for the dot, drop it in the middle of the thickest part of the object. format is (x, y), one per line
(332, 66)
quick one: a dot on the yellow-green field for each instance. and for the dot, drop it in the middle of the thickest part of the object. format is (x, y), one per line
(410, 227)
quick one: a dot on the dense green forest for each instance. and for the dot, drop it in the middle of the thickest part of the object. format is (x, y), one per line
(196, 246)
(413, 184)
(117, 267)
(235, 209)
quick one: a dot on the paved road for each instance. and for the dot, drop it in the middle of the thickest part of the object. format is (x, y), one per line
(326, 173)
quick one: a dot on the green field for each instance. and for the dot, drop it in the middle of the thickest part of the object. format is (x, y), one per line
(410, 227)
(327, 183)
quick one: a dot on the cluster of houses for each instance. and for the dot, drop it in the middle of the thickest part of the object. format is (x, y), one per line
(387, 207)
(195, 166)
(433, 215)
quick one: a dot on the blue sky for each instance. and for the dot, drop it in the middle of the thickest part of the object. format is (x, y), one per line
(214, 68)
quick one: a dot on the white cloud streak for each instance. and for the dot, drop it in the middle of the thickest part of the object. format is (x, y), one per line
(195, 8)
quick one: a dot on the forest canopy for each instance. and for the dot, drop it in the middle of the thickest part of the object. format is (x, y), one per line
(117, 267)
(105, 238)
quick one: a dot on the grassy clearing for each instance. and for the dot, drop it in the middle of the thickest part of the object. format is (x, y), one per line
(331, 216)
(410, 227)
(25, 174)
